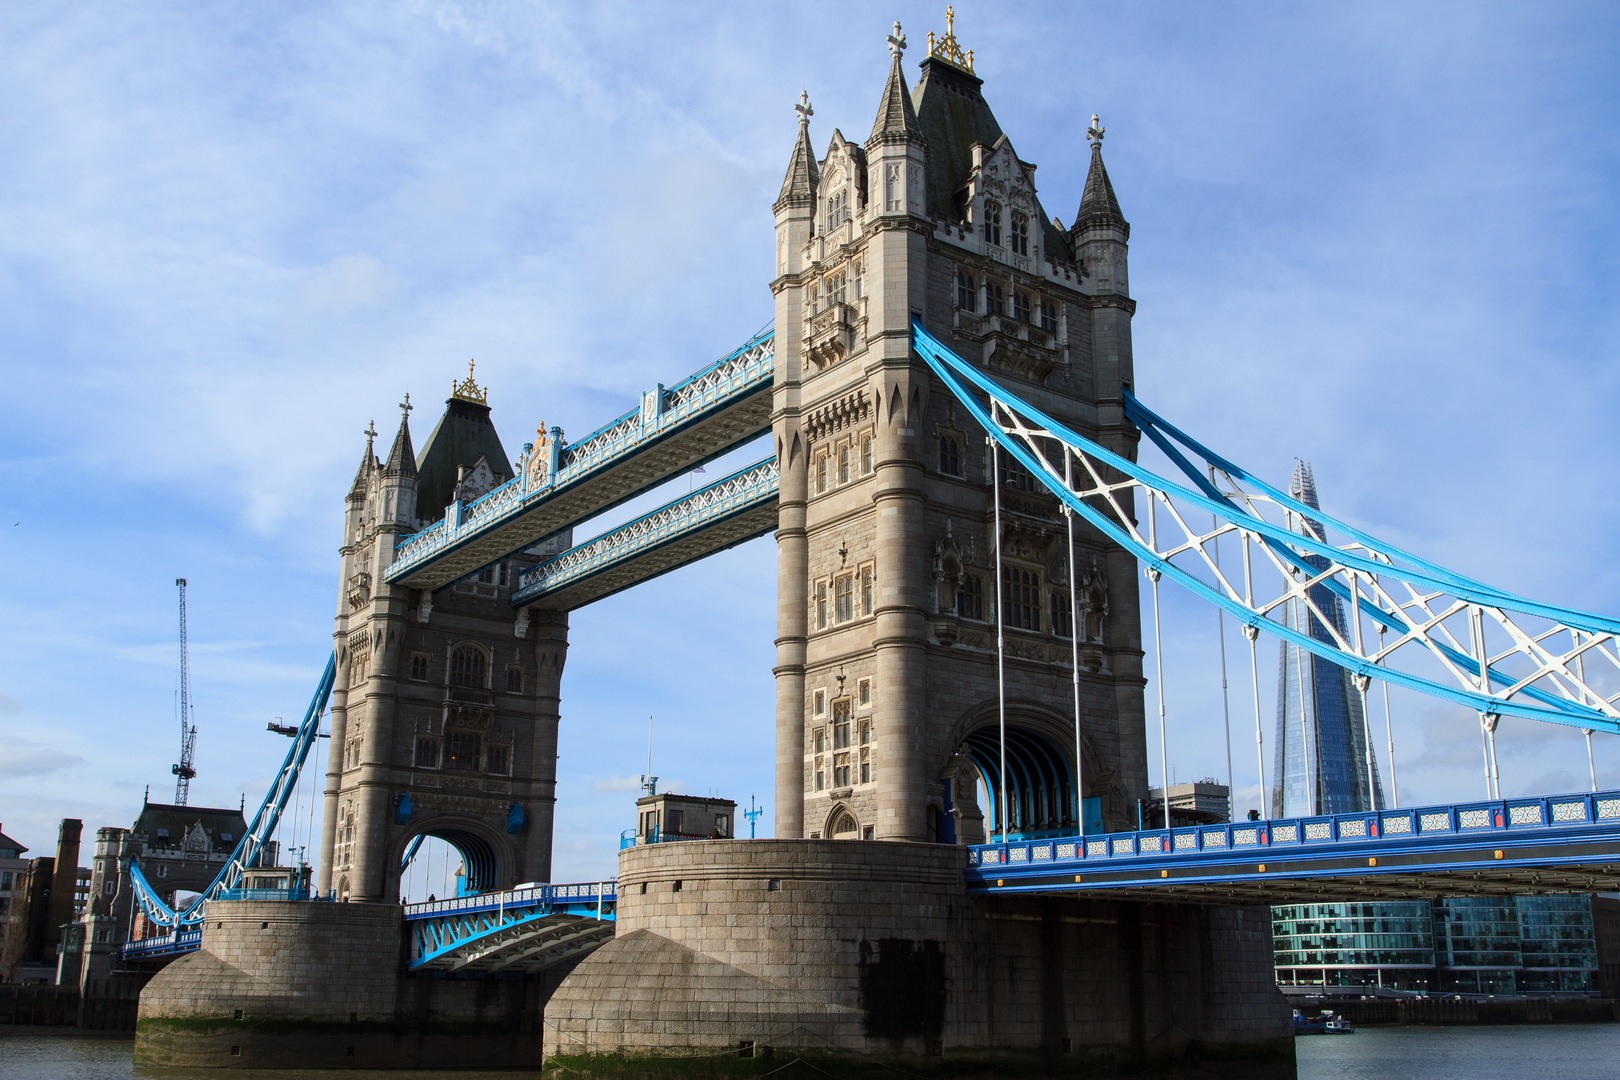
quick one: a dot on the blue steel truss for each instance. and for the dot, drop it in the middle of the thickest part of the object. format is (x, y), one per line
(1560, 841)
(1457, 639)
(261, 829)
(521, 929)
(722, 386)
(748, 490)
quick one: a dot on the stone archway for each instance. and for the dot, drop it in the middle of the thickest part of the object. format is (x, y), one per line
(841, 825)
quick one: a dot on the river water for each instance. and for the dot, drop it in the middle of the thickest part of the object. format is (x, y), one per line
(1565, 1052)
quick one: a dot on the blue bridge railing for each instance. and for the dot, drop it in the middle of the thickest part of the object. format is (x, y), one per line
(1432, 826)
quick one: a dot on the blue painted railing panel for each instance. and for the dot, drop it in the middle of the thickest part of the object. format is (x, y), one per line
(1432, 826)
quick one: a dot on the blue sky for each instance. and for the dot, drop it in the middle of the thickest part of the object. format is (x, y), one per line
(1380, 237)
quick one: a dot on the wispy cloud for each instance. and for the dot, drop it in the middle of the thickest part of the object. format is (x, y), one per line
(20, 758)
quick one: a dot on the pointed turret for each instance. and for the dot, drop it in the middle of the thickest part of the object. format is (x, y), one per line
(803, 173)
(896, 116)
(401, 458)
(368, 465)
(1098, 206)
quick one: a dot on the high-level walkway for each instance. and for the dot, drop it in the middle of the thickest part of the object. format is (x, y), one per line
(674, 430)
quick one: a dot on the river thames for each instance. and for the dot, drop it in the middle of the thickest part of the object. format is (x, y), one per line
(1568, 1052)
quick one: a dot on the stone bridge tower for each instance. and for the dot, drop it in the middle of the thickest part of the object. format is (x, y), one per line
(886, 664)
(445, 707)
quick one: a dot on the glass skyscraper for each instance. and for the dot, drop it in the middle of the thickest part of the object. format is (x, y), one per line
(1487, 944)
(1322, 754)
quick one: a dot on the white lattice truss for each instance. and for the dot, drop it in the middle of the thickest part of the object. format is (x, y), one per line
(732, 495)
(1407, 621)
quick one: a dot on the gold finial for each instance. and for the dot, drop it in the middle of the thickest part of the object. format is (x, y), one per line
(467, 390)
(947, 48)
(540, 435)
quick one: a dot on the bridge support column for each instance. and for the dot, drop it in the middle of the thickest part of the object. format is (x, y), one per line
(550, 632)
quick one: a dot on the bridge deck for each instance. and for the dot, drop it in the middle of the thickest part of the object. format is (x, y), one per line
(520, 931)
(728, 512)
(697, 420)
(1560, 843)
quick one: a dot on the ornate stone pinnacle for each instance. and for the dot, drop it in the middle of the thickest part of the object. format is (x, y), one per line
(947, 48)
(897, 41)
(1094, 134)
(804, 109)
(406, 406)
(371, 432)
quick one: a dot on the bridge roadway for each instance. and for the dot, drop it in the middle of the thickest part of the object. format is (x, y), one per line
(674, 430)
(1561, 843)
(519, 932)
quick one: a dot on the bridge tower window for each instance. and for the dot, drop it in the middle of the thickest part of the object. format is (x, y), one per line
(465, 749)
(992, 223)
(1048, 315)
(1020, 233)
(821, 607)
(967, 297)
(845, 598)
(840, 770)
(840, 724)
(514, 680)
(970, 598)
(866, 455)
(419, 667)
(837, 209)
(866, 596)
(863, 695)
(498, 760)
(843, 463)
(1062, 617)
(950, 458)
(1014, 475)
(427, 753)
(821, 474)
(1020, 306)
(837, 284)
(843, 826)
(994, 300)
(1022, 589)
(467, 666)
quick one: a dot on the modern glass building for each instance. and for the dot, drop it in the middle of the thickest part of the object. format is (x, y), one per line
(1322, 756)
(1483, 945)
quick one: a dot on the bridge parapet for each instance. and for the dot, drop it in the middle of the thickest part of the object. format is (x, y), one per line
(1550, 843)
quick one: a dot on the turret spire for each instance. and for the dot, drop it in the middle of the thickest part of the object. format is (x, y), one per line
(896, 116)
(401, 458)
(803, 172)
(368, 462)
(1098, 206)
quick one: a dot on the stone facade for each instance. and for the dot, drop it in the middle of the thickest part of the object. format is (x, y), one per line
(446, 704)
(887, 553)
(315, 985)
(872, 948)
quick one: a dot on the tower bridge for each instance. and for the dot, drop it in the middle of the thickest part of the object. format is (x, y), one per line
(960, 520)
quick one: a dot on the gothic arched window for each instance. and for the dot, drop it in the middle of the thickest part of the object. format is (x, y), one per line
(992, 223)
(966, 297)
(1020, 306)
(1048, 317)
(467, 667)
(1020, 233)
(842, 826)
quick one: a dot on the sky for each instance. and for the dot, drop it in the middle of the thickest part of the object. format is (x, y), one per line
(1382, 238)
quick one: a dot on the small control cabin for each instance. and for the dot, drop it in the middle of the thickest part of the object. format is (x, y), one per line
(683, 817)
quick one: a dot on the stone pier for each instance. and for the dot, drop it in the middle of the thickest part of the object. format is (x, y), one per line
(862, 951)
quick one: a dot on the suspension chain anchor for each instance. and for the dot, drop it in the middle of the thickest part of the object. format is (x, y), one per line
(1251, 632)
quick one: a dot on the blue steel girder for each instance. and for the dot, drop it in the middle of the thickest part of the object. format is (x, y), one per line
(1454, 638)
(521, 930)
(263, 826)
(728, 512)
(1560, 843)
(674, 430)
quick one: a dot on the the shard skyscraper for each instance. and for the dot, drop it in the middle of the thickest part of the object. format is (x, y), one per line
(1321, 746)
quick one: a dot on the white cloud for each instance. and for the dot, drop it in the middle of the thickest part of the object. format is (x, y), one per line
(616, 783)
(20, 758)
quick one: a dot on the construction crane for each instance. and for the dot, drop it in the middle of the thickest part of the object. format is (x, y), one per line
(188, 729)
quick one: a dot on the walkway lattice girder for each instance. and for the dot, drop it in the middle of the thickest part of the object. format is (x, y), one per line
(729, 512)
(676, 430)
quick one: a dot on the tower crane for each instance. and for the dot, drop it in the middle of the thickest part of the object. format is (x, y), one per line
(184, 771)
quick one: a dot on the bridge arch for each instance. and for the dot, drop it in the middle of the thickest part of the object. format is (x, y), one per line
(489, 860)
(1039, 771)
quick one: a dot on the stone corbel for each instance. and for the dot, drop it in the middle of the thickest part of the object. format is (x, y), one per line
(521, 627)
(425, 608)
